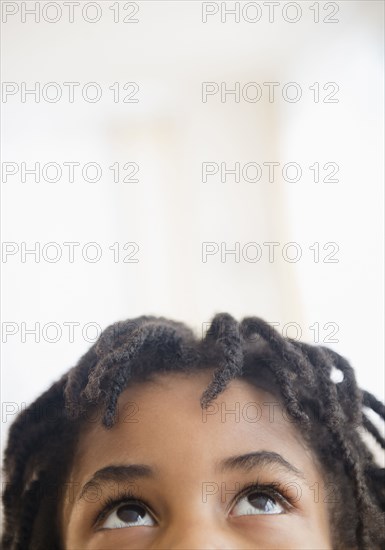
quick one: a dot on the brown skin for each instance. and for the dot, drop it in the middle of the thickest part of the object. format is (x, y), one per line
(192, 504)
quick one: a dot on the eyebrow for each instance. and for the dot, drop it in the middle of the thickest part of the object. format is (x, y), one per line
(259, 459)
(246, 462)
(119, 474)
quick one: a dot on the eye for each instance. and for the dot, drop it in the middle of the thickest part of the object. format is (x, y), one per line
(259, 501)
(127, 514)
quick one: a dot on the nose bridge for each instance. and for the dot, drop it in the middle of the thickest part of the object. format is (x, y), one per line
(195, 517)
(195, 536)
(197, 527)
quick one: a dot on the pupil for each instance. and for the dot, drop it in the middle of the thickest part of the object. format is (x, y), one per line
(259, 501)
(130, 513)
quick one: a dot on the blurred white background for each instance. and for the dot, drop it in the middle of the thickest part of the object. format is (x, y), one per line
(170, 211)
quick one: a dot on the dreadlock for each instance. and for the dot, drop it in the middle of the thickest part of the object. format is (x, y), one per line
(331, 416)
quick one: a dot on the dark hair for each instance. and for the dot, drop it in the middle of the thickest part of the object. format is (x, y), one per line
(330, 416)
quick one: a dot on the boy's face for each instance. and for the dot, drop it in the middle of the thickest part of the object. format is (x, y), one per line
(187, 486)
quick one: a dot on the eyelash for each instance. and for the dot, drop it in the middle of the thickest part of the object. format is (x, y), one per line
(273, 490)
(269, 489)
(110, 503)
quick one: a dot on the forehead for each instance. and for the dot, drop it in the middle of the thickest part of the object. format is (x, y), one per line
(160, 422)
